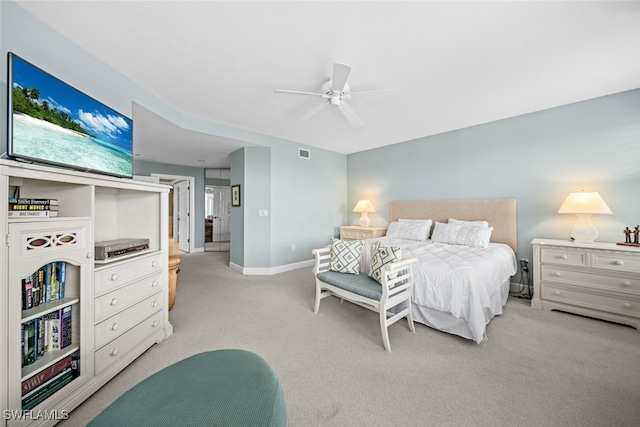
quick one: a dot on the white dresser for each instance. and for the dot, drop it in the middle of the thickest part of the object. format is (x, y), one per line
(600, 280)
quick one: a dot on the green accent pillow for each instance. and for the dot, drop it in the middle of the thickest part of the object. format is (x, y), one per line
(382, 255)
(345, 256)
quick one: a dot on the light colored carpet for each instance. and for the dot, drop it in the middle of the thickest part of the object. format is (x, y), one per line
(538, 368)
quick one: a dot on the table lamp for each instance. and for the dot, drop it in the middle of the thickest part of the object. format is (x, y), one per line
(364, 207)
(584, 204)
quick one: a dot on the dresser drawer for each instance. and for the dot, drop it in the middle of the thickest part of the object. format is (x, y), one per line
(148, 331)
(109, 304)
(112, 277)
(117, 325)
(564, 256)
(611, 304)
(355, 235)
(552, 273)
(617, 262)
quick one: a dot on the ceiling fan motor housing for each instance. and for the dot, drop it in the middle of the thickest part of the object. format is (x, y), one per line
(335, 96)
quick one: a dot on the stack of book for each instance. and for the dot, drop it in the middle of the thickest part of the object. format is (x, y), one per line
(49, 332)
(32, 208)
(45, 285)
(49, 380)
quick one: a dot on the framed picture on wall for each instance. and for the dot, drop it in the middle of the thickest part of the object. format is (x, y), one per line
(235, 195)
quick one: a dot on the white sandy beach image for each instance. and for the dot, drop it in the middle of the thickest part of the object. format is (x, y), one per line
(41, 140)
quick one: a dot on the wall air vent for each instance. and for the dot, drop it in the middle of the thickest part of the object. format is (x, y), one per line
(303, 153)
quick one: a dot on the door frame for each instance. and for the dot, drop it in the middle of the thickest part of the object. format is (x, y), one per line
(172, 180)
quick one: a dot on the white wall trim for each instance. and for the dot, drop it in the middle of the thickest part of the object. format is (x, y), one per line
(269, 271)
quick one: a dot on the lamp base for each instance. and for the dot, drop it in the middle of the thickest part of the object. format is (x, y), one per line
(584, 231)
(364, 220)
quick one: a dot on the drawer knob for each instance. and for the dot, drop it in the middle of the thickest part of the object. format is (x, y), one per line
(154, 304)
(557, 293)
(564, 257)
(89, 255)
(154, 323)
(154, 263)
(626, 283)
(154, 284)
(557, 274)
(619, 262)
(115, 327)
(114, 302)
(627, 305)
(114, 352)
(114, 277)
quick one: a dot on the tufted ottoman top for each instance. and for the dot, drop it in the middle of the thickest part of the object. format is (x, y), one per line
(215, 388)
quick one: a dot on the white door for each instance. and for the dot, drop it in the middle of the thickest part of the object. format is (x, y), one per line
(221, 214)
(182, 198)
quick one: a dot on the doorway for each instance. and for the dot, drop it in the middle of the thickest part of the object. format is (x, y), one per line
(217, 218)
(181, 205)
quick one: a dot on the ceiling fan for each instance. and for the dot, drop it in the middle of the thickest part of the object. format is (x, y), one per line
(335, 91)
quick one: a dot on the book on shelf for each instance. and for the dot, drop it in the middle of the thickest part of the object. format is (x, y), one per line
(54, 283)
(46, 374)
(32, 201)
(62, 277)
(30, 343)
(32, 214)
(27, 292)
(52, 331)
(42, 392)
(27, 207)
(65, 327)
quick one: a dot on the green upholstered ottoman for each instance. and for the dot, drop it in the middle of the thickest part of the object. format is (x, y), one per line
(215, 388)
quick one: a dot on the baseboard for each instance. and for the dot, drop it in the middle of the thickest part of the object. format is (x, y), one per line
(519, 289)
(269, 271)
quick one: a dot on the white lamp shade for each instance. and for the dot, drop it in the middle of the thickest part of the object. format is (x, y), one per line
(364, 207)
(584, 204)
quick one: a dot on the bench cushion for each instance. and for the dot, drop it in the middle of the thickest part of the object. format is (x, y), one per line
(214, 388)
(359, 284)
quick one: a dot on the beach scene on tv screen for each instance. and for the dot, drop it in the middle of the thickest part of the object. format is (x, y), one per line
(54, 122)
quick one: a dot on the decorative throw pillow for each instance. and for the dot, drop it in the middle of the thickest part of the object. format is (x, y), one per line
(470, 223)
(409, 230)
(459, 234)
(381, 256)
(345, 256)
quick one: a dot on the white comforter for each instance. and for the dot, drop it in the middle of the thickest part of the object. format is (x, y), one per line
(468, 283)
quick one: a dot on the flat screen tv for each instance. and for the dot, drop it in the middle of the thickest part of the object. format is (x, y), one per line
(50, 122)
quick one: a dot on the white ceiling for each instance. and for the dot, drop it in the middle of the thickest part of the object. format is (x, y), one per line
(456, 64)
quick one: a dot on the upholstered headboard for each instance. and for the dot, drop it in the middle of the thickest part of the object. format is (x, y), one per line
(500, 213)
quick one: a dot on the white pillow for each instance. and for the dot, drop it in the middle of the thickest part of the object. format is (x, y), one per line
(460, 234)
(409, 230)
(471, 223)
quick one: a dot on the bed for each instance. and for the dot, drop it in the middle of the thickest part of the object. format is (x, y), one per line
(457, 288)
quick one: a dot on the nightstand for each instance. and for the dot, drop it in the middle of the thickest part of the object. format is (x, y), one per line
(600, 280)
(355, 232)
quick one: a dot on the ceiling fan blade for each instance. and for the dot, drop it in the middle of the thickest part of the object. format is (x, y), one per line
(315, 111)
(298, 92)
(340, 75)
(351, 115)
(376, 91)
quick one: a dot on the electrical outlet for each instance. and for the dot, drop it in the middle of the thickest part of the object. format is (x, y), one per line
(293, 247)
(524, 265)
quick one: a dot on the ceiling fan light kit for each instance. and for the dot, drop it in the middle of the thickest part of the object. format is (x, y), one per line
(335, 92)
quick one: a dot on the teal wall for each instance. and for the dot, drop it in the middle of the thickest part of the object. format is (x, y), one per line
(237, 213)
(536, 158)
